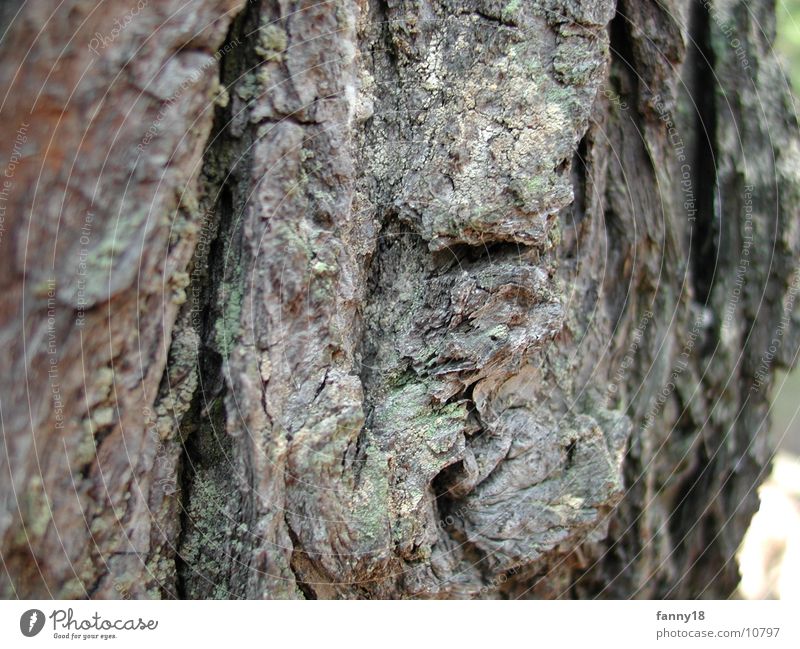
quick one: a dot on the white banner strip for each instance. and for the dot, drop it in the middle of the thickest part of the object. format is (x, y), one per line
(398, 624)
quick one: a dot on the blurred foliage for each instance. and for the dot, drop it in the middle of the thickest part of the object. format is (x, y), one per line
(787, 42)
(785, 420)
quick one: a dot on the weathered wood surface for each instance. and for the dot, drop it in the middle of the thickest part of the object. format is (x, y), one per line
(391, 298)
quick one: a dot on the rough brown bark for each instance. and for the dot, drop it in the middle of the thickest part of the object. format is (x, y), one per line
(394, 298)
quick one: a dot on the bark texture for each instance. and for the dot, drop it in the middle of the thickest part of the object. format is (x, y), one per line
(391, 298)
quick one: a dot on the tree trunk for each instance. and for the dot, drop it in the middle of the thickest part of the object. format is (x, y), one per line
(390, 298)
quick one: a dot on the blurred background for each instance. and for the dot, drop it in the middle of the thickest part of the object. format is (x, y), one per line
(770, 554)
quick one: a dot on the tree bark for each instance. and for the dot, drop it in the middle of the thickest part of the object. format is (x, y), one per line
(390, 298)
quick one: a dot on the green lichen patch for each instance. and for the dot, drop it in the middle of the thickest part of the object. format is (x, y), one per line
(272, 42)
(227, 327)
